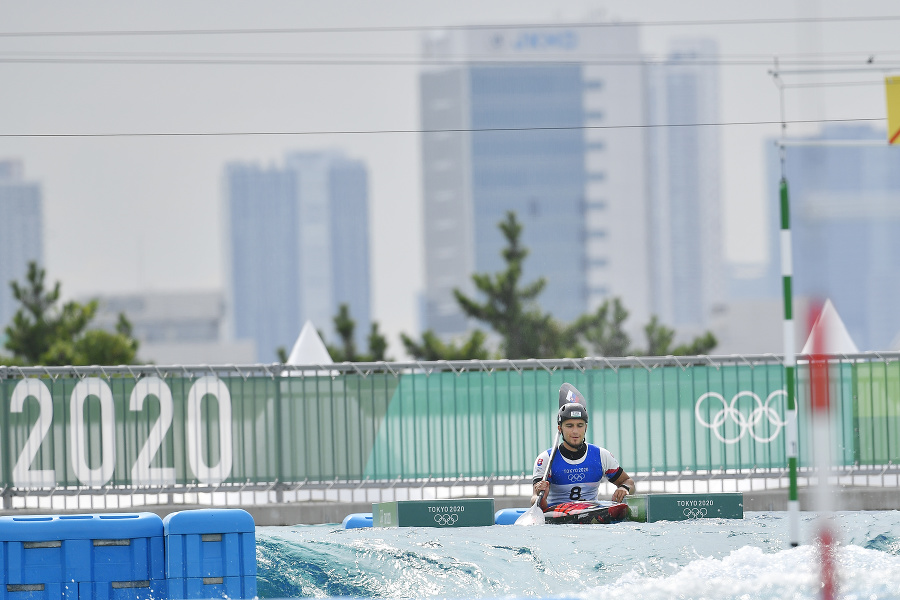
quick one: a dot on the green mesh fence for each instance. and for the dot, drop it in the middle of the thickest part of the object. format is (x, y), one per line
(146, 428)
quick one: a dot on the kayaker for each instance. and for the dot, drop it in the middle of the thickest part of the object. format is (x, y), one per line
(578, 468)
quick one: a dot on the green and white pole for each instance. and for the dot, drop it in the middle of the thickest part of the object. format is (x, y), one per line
(790, 364)
(790, 359)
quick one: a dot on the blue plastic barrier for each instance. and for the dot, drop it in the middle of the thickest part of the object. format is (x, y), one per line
(210, 553)
(357, 520)
(110, 556)
(508, 516)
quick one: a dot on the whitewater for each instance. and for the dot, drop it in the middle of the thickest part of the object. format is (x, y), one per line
(716, 559)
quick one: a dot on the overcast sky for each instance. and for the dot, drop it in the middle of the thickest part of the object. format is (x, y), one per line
(139, 213)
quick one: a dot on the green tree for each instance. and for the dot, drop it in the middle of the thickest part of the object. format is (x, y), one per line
(96, 347)
(38, 324)
(432, 348)
(345, 327)
(603, 330)
(703, 344)
(377, 343)
(281, 351)
(528, 332)
(660, 338)
(510, 309)
(42, 333)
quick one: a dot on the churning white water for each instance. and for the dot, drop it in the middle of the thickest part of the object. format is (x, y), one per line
(718, 559)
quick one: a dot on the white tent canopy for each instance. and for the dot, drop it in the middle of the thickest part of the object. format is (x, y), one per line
(895, 345)
(309, 349)
(837, 339)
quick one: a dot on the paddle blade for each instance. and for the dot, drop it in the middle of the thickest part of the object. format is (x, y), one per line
(568, 393)
(533, 516)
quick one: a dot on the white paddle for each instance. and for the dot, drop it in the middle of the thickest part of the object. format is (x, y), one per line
(534, 515)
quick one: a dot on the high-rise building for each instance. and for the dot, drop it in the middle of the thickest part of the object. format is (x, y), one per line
(845, 230)
(687, 276)
(297, 247)
(518, 120)
(21, 233)
(172, 328)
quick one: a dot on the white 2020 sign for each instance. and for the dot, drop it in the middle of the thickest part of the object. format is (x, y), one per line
(141, 472)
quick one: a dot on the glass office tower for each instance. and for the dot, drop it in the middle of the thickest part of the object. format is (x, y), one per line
(686, 225)
(297, 247)
(516, 120)
(21, 233)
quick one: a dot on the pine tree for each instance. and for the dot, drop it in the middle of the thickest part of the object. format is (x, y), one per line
(511, 310)
(43, 334)
(345, 326)
(432, 348)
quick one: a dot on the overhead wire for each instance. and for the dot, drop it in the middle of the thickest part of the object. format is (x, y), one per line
(474, 27)
(429, 131)
(194, 58)
(832, 84)
(377, 62)
(823, 61)
(855, 60)
(867, 55)
(816, 64)
(233, 59)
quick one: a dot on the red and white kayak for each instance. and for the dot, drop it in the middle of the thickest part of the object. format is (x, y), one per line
(586, 513)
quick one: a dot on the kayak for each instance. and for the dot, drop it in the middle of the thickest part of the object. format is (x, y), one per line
(586, 513)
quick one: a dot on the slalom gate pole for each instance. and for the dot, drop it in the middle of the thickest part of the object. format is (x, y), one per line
(790, 364)
(821, 417)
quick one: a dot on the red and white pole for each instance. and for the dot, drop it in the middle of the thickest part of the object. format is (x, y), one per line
(822, 450)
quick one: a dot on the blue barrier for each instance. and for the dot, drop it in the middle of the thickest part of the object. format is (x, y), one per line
(210, 553)
(357, 521)
(89, 556)
(508, 516)
(129, 556)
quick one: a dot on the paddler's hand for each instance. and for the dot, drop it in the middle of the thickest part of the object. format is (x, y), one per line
(541, 485)
(623, 489)
(537, 487)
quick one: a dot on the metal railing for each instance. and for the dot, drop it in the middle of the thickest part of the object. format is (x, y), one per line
(358, 426)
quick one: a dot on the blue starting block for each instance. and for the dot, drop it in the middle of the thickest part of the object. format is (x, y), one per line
(103, 557)
(210, 553)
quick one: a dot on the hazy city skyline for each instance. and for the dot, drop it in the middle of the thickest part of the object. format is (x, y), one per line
(131, 213)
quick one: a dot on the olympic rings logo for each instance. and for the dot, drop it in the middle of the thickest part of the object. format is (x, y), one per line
(577, 476)
(694, 513)
(745, 425)
(446, 519)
